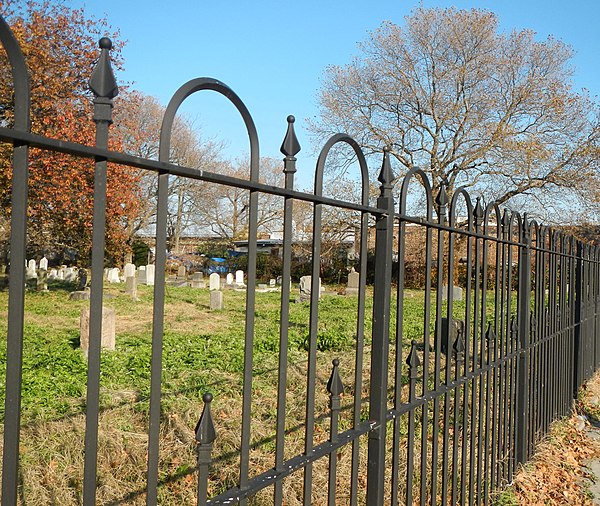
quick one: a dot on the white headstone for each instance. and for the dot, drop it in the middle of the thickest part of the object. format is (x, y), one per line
(141, 273)
(239, 278)
(129, 270)
(150, 274)
(306, 288)
(71, 274)
(53, 274)
(31, 269)
(229, 279)
(61, 274)
(353, 281)
(214, 281)
(44, 263)
(113, 275)
(272, 283)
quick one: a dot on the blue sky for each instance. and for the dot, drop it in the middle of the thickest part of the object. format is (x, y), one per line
(273, 53)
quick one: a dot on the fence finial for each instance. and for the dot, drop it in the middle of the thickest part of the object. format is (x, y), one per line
(478, 213)
(335, 386)
(205, 429)
(413, 360)
(386, 175)
(103, 83)
(290, 145)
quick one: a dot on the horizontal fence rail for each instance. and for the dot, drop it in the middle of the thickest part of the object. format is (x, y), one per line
(437, 408)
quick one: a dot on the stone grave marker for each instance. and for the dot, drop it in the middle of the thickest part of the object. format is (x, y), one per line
(198, 280)
(108, 329)
(42, 280)
(131, 286)
(129, 270)
(150, 269)
(239, 278)
(306, 287)
(181, 272)
(31, 272)
(214, 282)
(353, 282)
(216, 299)
(44, 263)
(457, 292)
(141, 274)
(272, 283)
(113, 275)
(229, 279)
(82, 277)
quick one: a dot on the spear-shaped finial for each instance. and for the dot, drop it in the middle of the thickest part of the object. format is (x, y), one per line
(205, 429)
(413, 360)
(103, 83)
(478, 212)
(290, 145)
(335, 386)
(386, 176)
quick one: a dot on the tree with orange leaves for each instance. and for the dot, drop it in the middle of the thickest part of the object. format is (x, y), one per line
(61, 46)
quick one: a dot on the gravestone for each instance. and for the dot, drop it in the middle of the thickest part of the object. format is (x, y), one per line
(108, 329)
(150, 269)
(53, 274)
(141, 275)
(71, 274)
(353, 282)
(80, 295)
(216, 300)
(229, 279)
(272, 283)
(306, 287)
(42, 280)
(279, 280)
(82, 277)
(44, 263)
(239, 278)
(131, 286)
(181, 272)
(61, 274)
(198, 280)
(457, 293)
(113, 275)
(448, 339)
(31, 272)
(129, 270)
(214, 282)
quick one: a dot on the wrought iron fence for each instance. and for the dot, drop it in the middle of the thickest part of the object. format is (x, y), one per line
(440, 417)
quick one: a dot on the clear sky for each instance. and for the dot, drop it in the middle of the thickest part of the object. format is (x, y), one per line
(273, 53)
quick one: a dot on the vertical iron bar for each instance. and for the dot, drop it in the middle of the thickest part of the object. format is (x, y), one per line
(524, 304)
(205, 436)
(577, 345)
(413, 363)
(380, 339)
(290, 148)
(104, 87)
(16, 287)
(335, 387)
(441, 207)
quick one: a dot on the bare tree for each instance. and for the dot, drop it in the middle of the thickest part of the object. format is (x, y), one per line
(493, 111)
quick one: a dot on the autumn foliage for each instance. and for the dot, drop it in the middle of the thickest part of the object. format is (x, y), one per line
(60, 47)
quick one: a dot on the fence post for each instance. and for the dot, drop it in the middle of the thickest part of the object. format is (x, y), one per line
(577, 362)
(381, 329)
(524, 311)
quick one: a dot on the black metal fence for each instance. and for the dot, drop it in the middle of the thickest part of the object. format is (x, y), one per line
(443, 417)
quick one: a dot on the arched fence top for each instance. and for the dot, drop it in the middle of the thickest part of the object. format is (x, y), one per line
(208, 83)
(362, 162)
(492, 207)
(417, 173)
(461, 192)
(20, 76)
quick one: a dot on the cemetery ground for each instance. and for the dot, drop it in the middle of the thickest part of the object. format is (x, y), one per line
(202, 351)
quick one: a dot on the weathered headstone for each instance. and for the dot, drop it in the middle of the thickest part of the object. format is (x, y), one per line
(279, 280)
(80, 295)
(108, 329)
(113, 275)
(42, 280)
(353, 282)
(449, 338)
(229, 279)
(457, 293)
(70, 274)
(198, 280)
(181, 272)
(82, 277)
(44, 263)
(131, 286)
(306, 288)
(239, 278)
(150, 268)
(31, 272)
(214, 282)
(141, 275)
(216, 300)
(129, 270)
(53, 274)
(61, 274)
(272, 283)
